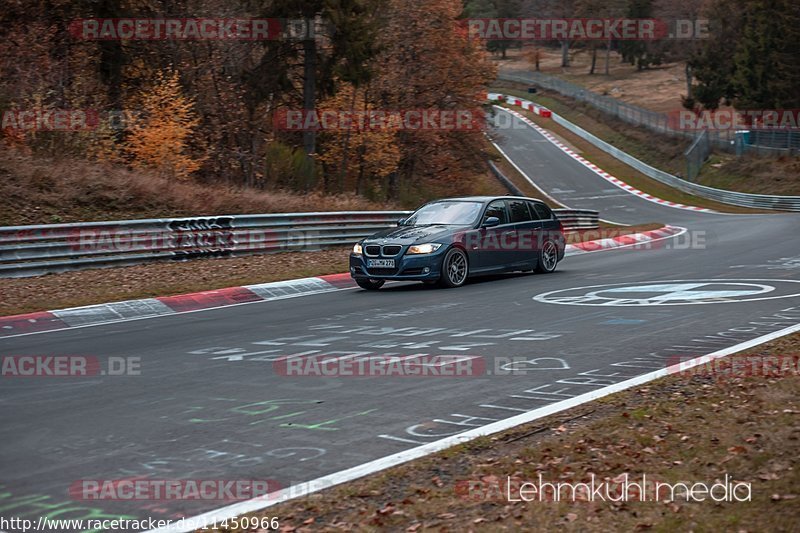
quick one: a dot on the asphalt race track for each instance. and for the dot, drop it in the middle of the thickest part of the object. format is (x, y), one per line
(208, 404)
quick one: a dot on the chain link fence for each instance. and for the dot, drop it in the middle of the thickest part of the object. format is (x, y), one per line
(765, 142)
(696, 155)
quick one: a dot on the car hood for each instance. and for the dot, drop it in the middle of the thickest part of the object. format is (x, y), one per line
(407, 235)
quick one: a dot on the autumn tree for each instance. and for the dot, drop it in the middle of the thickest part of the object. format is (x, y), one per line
(159, 138)
(428, 62)
(362, 157)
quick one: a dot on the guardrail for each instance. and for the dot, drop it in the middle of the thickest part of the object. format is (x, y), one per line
(742, 199)
(45, 249)
(578, 219)
(768, 142)
(35, 250)
(507, 183)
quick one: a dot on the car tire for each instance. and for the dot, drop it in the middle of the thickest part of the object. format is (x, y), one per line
(370, 284)
(455, 268)
(548, 258)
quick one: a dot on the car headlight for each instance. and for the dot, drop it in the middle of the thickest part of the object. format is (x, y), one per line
(424, 248)
(357, 249)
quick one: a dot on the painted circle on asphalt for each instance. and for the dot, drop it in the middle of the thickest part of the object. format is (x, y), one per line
(674, 292)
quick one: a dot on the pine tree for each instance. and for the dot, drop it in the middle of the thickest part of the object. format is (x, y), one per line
(643, 54)
(766, 60)
(713, 65)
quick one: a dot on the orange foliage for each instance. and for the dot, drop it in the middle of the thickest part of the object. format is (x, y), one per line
(158, 140)
(358, 157)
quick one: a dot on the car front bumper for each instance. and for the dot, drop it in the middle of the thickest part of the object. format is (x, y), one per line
(417, 267)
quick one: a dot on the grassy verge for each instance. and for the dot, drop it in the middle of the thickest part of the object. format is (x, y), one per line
(86, 287)
(679, 428)
(617, 168)
(38, 190)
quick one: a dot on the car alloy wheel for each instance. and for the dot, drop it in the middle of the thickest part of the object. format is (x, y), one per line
(548, 257)
(454, 268)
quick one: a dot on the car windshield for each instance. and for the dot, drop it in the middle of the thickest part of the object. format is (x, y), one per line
(447, 213)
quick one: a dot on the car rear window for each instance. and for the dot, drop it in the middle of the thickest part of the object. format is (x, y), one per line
(519, 211)
(542, 210)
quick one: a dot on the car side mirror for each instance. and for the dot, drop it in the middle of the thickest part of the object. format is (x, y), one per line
(490, 222)
(401, 222)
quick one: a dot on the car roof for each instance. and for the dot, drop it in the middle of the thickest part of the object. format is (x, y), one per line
(485, 199)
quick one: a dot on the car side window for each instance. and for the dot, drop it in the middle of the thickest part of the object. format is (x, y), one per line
(497, 209)
(544, 211)
(535, 215)
(519, 211)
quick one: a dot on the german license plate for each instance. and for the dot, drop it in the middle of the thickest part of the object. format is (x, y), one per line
(380, 263)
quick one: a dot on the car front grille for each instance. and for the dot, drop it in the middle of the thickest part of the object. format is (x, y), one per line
(388, 250)
(391, 250)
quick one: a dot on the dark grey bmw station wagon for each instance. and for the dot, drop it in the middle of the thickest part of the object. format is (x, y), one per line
(449, 240)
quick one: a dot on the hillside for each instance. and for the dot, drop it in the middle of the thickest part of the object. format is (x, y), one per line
(37, 190)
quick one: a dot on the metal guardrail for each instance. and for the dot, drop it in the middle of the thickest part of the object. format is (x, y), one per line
(45, 249)
(35, 250)
(507, 183)
(742, 199)
(578, 219)
(757, 201)
(767, 142)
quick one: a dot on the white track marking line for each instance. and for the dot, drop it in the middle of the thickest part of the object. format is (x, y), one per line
(356, 472)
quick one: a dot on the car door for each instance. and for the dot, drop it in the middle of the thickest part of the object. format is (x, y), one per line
(538, 228)
(550, 226)
(487, 251)
(524, 229)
